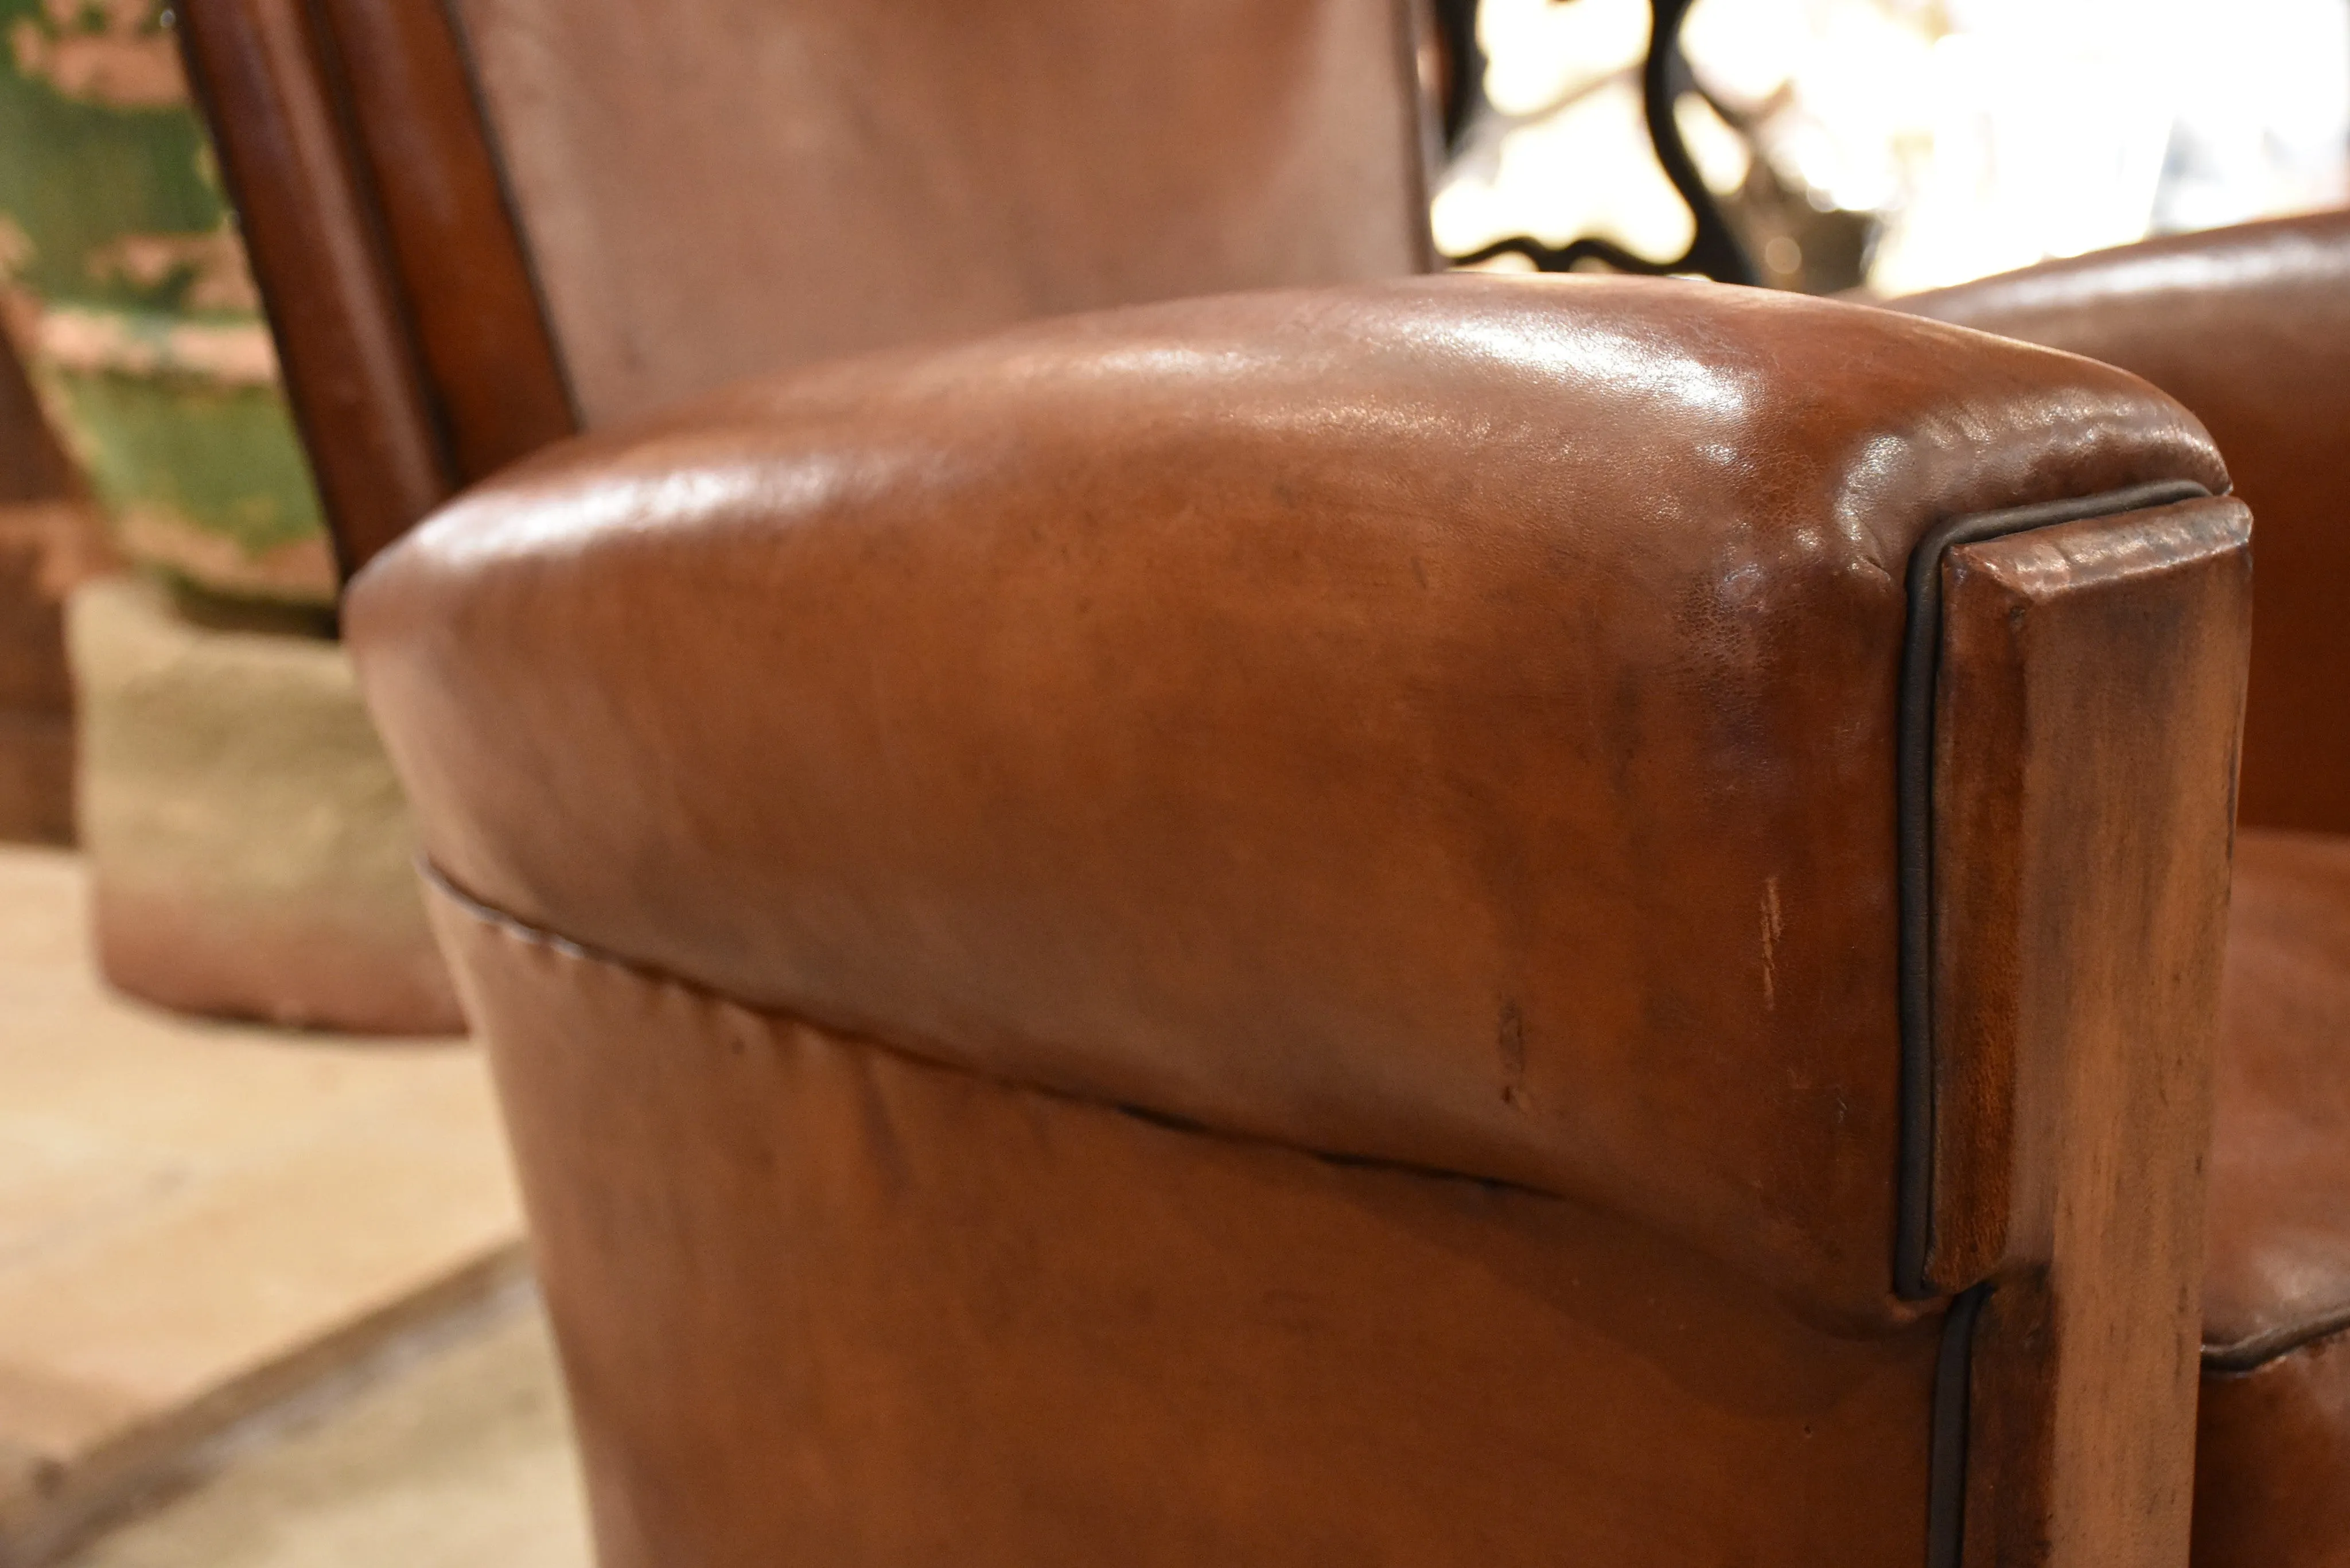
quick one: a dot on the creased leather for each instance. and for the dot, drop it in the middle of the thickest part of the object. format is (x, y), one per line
(1447, 721)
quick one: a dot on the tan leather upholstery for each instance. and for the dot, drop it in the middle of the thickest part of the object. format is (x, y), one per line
(716, 188)
(1445, 721)
(2250, 327)
(811, 1290)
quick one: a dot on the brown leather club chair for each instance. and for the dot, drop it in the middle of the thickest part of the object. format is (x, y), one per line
(1391, 920)
(2249, 327)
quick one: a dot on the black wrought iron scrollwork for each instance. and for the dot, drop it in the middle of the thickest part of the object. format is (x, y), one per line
(1462, 60)
(1714, 249)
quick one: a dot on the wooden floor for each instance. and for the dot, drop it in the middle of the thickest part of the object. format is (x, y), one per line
(200, 1223)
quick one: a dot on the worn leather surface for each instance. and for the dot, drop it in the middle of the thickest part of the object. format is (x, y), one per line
(1447, 721)
(817, 1297)
(2249, 327)
(715, 188)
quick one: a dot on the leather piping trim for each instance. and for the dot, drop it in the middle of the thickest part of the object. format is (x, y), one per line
(1946, 1451)
(1921, 656)
(2256, 1351)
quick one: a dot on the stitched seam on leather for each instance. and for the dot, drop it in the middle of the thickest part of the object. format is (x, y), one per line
(2256, 1351)
(524, 934)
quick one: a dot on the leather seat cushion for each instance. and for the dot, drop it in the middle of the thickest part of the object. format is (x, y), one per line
(2274, 1454)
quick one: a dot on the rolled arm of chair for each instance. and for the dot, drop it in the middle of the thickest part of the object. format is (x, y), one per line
(1452, 722)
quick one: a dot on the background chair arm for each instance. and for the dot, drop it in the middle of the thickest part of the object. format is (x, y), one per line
(2249, 327)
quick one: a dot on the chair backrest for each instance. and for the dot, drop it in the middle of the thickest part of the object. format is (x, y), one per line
(482, 225)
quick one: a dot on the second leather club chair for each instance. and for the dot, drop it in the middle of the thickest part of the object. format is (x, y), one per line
(2250, 327)
(1387, 919)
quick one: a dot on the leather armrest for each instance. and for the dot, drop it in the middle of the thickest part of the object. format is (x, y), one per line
(2249, 327)
(1449, 722)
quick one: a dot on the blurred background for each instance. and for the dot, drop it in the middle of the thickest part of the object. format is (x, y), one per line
(1903, 144)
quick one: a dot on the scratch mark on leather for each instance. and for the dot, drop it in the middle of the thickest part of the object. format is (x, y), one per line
(1773, 928)
(1512, 1038)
